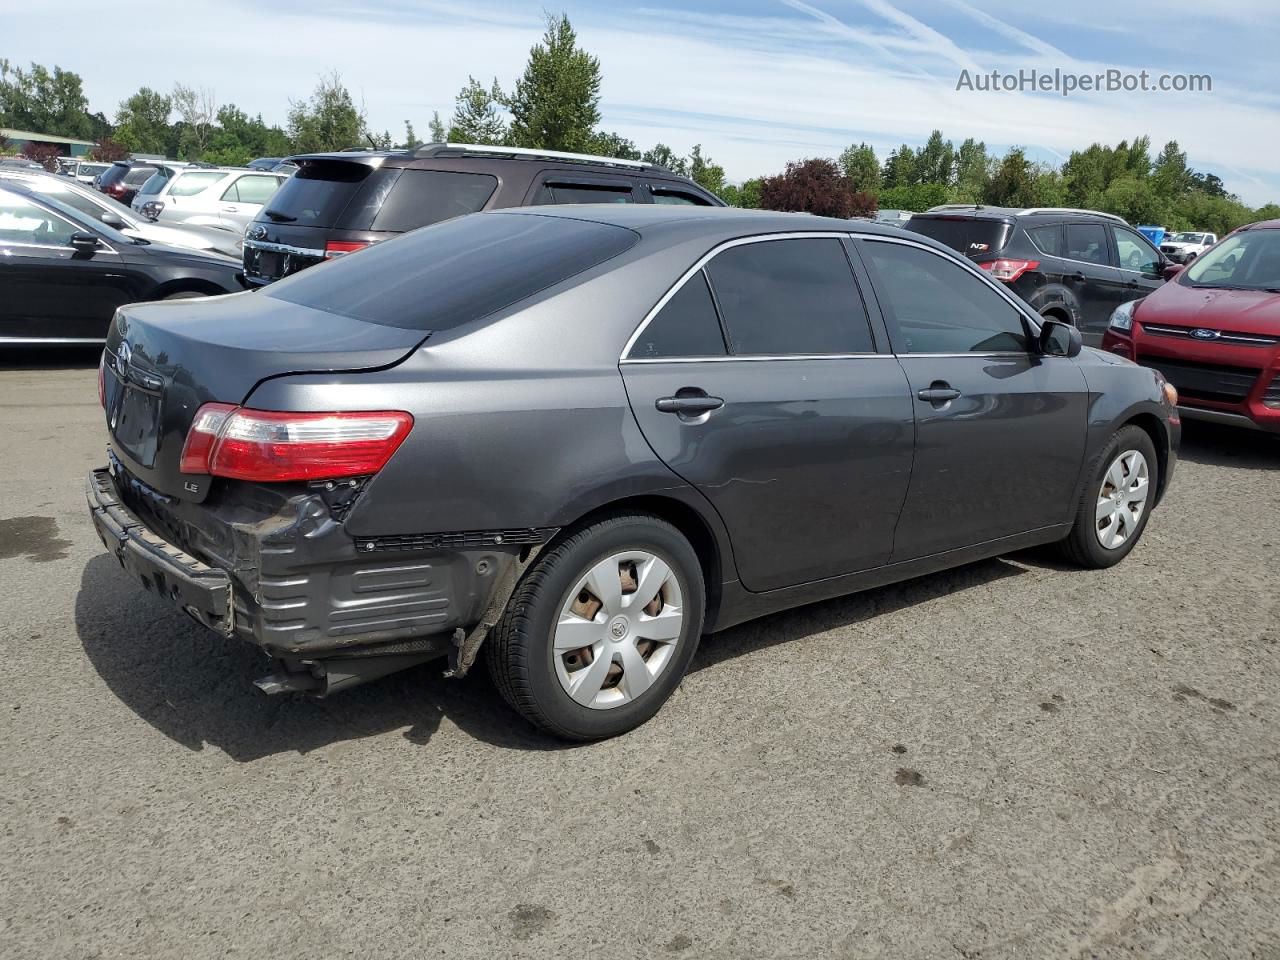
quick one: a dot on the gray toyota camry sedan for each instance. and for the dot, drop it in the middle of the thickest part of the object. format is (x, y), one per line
(574, 440)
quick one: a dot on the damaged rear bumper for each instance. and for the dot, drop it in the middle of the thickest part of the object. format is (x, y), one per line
(277, 568)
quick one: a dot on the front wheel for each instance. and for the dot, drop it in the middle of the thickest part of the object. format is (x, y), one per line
(1116, 502)
(601, 628)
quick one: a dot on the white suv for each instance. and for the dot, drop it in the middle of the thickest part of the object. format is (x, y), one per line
(1185, 247)
(226, 197)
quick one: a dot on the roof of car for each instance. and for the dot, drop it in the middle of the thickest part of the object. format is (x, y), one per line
(982, 211)
(722, 222)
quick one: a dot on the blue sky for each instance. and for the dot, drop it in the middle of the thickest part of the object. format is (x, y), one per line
(756, 83)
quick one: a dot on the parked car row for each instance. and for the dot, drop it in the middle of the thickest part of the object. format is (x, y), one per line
(66, 264)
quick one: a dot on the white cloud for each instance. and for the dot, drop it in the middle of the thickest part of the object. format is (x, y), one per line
(756, 90)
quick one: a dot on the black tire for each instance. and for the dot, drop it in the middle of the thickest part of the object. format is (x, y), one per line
(519, 652)
(1082, 546)
(184, 295)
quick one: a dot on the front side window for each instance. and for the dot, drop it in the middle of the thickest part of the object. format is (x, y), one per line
(24, 223)
(686, 326)
(935, 306)
(797, 296)
(189, 184)
(1135, 253)
(1087, 242)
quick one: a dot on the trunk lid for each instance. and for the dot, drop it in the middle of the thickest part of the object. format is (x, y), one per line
(164, 360)
(978, 238)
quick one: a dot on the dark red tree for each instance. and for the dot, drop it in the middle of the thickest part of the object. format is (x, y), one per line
(815, 186)
(107, 150)
(45, 154)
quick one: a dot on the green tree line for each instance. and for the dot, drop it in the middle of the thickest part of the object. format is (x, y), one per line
(555, 105)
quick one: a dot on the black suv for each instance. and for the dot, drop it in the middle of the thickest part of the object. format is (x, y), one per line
(1072, 265)
(121, 180)
(338, 203)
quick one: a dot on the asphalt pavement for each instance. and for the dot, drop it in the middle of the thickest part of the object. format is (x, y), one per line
(1014, 759)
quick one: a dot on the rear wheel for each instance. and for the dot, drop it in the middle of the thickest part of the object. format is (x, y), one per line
(601, 628)
(1116, 502)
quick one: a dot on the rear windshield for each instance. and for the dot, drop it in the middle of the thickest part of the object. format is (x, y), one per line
(139, 175)
(155, 183)
(454, 272)
(113, 174)
(355, 196)
(320, 192)
(973, 238)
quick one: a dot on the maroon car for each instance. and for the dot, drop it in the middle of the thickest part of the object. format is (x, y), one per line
(1214, 331)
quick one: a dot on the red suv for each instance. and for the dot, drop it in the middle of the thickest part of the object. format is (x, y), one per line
(1214, 331)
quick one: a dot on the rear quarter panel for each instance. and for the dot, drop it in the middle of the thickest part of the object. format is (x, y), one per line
(519, 422)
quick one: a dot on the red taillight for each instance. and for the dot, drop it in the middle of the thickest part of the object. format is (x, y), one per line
(338, 248)
(204, 431)
(1009, 270)
(271, 446)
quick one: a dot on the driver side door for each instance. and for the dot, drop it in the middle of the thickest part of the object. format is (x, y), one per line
(52, 292)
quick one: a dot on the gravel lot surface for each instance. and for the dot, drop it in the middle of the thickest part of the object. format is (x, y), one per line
(1010, 760)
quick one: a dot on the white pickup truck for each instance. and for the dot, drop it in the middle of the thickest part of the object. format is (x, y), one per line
(1185, 247)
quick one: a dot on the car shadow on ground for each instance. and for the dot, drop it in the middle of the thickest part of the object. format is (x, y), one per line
(1215, 445)
(42, 358)
(197, 689)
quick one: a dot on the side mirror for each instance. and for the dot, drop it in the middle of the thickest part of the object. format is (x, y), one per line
(84, 242)
(112, 219)
(1171, 270)
(1058, 339)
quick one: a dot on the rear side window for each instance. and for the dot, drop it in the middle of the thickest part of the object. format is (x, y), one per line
(936, 306)
(1047, 239)
(454, 272)
(1087, 242)
(420, 198)
(686, 326)
(251, 189)
(973, 238)
(189, 184)
(319, 194)
(797, 296)
(584, 193)
(677, 197)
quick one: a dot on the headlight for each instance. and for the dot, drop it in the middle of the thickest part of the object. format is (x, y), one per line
(1122, 316)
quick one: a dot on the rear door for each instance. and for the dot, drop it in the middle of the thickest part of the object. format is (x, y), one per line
(1000, 430)
(759, 381)
(1092, 278)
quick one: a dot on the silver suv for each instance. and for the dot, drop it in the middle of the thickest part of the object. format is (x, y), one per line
(227, 197)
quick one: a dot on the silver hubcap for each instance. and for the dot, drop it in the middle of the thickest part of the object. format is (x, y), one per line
(618, 629)
(1123, 497)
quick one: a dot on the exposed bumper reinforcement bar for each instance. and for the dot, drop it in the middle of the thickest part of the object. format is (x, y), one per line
(202, 591)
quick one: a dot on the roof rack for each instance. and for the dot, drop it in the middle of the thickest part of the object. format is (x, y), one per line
(524, 153)
(943, 207)
(1035, 211)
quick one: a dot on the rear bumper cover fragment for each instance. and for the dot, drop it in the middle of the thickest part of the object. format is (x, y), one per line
(202, 591)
